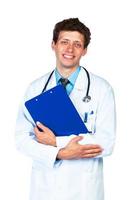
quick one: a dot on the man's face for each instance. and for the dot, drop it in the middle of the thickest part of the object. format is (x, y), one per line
(69, 49)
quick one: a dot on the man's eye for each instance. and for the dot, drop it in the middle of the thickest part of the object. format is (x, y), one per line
(78, 45)
(64, 42)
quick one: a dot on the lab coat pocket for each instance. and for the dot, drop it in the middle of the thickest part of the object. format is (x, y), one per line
(90, 121)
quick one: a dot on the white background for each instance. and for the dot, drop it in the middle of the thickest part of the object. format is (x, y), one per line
(25, 54)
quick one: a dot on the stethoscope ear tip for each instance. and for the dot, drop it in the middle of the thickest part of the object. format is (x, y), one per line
(86, 99)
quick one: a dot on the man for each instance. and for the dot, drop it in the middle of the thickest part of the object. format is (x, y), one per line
(69, 167)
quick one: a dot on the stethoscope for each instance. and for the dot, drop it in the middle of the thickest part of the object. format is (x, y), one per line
(87, 97)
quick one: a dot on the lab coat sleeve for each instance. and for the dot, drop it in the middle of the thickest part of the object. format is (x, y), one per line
(26, 140)
(104, 125)
(62, 141)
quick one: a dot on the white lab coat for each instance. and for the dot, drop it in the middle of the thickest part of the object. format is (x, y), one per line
(80, 179)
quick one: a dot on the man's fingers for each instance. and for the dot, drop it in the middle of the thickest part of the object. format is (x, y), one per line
(92, 151)
(76, 139)
(91, 146)
(37, 132)
(90, 155)
(42, 127)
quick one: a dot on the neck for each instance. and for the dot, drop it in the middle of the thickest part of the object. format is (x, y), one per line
(66, 72)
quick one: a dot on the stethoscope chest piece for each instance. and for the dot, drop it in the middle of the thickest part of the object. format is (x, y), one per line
(86, 99)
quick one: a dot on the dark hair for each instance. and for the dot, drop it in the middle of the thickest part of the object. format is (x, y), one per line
(72, 24)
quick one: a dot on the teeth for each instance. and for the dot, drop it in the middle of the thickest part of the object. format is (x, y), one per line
(68, 56)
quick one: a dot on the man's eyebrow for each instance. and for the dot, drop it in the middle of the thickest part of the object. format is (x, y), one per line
(78, 41)
(63, 39)
(69, 40)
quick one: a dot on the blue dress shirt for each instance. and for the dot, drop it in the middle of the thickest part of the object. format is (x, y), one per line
(72, 78)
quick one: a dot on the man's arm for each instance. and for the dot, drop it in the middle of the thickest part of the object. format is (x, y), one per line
(27, 143)
(73, 150)
(105, 127)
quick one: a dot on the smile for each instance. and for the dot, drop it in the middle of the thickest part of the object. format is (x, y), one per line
(68, 56)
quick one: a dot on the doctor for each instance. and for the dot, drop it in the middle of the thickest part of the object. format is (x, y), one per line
(69, 167)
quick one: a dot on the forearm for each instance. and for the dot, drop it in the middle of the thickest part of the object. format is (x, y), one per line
(62, 154)
(104, 139)
(30, 147)
(26, 141)
(103, 124)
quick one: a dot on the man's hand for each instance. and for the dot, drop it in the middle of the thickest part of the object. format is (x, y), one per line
(74, 150)
(46, 136)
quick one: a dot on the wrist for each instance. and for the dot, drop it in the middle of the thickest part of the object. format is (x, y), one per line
(62, 154)
(54, 143)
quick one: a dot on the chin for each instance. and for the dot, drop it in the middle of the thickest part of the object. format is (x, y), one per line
(68, 66)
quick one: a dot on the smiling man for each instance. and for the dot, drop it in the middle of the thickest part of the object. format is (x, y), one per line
(69, 48)
(69, 167)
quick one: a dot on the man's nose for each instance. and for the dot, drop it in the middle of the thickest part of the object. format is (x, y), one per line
(70, 47)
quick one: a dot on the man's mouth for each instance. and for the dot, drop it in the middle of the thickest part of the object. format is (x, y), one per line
(68, 56)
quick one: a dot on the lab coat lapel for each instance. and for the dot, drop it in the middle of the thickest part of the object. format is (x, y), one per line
(80, 86)
(79, 92)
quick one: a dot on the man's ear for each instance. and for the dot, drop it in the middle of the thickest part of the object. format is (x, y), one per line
(53, 45)
(84, 52)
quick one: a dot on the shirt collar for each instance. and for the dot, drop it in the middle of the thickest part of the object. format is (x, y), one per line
(72, 78)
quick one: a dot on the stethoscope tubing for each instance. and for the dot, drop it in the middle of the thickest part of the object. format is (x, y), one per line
(86, 99)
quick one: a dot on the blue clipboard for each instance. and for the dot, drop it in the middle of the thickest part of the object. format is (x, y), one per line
(55, 110)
